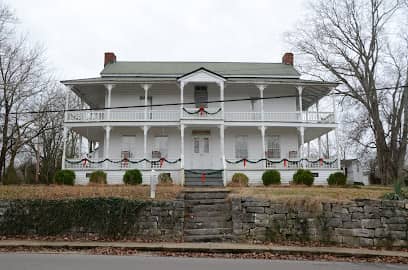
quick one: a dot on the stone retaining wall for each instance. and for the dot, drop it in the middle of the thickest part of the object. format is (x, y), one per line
(156, 220)
(357, 223)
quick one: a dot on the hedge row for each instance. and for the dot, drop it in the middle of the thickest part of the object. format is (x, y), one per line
(301, 177)
(108, 217)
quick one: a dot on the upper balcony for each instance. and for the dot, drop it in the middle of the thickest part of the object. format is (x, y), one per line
(115, 115)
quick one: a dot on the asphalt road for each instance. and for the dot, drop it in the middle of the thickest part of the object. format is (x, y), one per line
(22, 261)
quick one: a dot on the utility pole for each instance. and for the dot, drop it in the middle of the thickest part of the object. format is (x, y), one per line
(37, 165)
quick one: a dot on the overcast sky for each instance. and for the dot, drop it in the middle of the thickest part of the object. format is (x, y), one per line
(76, 33)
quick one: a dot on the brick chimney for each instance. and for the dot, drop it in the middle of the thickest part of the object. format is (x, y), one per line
(110, 58)
(287, 59)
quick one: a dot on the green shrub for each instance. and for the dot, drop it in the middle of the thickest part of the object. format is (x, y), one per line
(239, 180)
(65, 177)
(337, 179)
(271, 177)
(304, 177)
(165, 179)
(11, 177)
(132, 177)
(399, 193)
(98, 177)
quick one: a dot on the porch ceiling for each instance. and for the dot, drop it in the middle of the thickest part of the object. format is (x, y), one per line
(312, 133)
(91, 133)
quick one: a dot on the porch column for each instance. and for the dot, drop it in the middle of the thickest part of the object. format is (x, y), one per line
(108, 100)
(319, 139)
(181, 99)
(146, 95)
(327, 146)
(336, 133)
(182, 154)
(263, 130)
(300, 91)
(64, 149)
(261, 95)
(222, 146)
(308, 149)
(80, 136)
(145, 133)
(107, 143)
(302, 142)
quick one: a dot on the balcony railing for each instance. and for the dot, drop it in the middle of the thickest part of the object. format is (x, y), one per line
(202, 113)
(197, 114)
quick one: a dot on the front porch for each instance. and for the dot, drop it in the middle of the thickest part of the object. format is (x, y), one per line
(173, 150)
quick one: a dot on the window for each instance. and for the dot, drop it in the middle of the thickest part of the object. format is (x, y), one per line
(196, 145)
(273, 147)
(241, 147)
(206, 145)
(160, 148)
(201, 96)
(128, 146)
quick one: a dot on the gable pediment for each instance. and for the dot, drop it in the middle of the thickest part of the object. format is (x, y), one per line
(201, 75)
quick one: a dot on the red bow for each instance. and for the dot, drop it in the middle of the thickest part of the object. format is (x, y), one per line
(201, 110)
(245, 161)
(161, 162)
(285, 163)
(203, 177)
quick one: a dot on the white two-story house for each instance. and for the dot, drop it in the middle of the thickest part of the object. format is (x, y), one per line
(201, 122)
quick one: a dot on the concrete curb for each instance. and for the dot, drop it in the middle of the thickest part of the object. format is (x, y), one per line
(208, 248)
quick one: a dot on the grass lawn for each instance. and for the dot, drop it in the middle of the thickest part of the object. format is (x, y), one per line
(314, 193)
(287, 193)
(66, 192)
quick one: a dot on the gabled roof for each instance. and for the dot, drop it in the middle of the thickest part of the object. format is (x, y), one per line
(177, 69)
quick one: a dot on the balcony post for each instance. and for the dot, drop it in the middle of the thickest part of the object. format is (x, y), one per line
(182, 154)
(107, 144)
(221, 85)
(67, 102)
(181, 99)
(108, 103)
(145, 133)
(64, 149)
(261, 96)
(222, 148)
(146, 88)
(300, 91)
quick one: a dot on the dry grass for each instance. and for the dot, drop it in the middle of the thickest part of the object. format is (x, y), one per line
(290, 194)
(311, 194)
(69, 192)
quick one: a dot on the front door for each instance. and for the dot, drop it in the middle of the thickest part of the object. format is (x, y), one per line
(201, 152)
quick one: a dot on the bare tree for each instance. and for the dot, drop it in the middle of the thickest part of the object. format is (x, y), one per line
(22, 76)
(350, 40)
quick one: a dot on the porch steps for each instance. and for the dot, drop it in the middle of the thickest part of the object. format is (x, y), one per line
(207, 216)
(203, 178)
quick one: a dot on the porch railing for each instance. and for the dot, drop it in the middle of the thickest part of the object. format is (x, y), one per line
(118, 164)
(241, 164)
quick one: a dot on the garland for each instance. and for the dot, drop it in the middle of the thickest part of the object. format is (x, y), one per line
(85, 160)
(201, 173)
(284, 160)
(201, 111)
